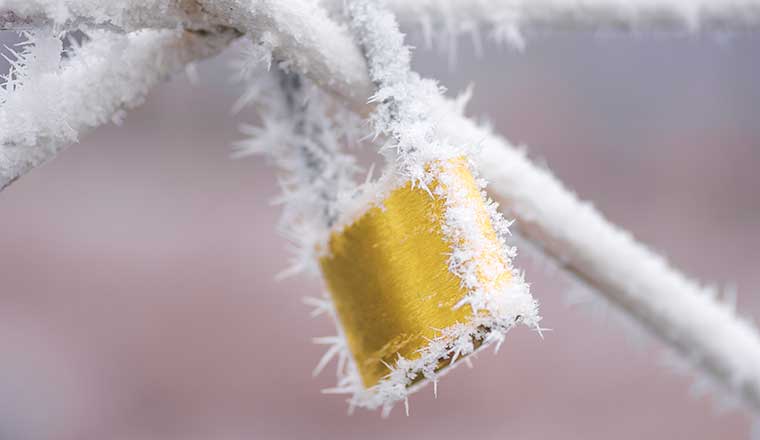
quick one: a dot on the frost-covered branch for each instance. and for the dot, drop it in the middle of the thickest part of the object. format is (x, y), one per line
(48, 101)
(402, 100)
(507, 20)
(297, 31)
(124, 16)
(304, 136)
(301, 33)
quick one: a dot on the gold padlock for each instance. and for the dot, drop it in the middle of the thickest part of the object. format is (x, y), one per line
(391, 276)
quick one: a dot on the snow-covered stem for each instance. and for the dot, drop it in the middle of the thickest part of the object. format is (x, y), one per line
(124, 16)
(48, 109)
(507, 20)
(301, 33)
(505, 17)
(589, 14)
(403, 99)
(303, 133)
(321, 173)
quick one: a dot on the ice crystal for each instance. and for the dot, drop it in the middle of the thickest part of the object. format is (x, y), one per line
(299, 131)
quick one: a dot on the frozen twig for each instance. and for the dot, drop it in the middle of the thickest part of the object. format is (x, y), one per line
(46, 110)
(301, 33)
(304, 136)
(119, 15)
(402, 100)
(508, 20)
(320, 173)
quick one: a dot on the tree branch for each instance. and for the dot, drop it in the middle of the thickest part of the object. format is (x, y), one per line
(123, 16)
(109, 75)
(301, 33)
(508, 19)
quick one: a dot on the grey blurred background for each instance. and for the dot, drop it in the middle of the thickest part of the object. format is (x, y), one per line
(137, 291)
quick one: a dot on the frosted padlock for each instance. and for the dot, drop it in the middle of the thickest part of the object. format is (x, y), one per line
(421, 280)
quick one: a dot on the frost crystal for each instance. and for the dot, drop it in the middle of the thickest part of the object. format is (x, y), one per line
(305, 142)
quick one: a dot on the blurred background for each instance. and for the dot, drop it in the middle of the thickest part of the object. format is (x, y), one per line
(137, 290)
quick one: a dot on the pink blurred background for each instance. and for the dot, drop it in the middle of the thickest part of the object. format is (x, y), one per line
(137, 291)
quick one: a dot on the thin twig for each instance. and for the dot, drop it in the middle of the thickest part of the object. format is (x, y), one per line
(121, 16)
(509, 20)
